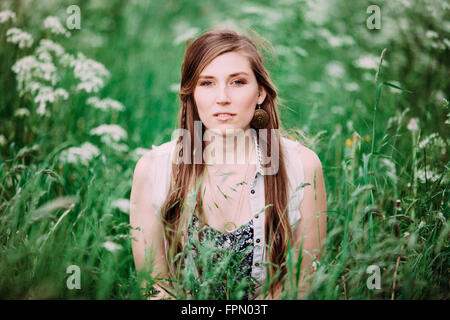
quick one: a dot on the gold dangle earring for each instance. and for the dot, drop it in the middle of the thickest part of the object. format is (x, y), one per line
(260, 118)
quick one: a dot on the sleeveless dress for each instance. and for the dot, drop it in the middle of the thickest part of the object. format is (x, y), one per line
(248, 241)
(238, 243)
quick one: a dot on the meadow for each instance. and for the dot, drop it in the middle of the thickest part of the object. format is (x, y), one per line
(80, 106)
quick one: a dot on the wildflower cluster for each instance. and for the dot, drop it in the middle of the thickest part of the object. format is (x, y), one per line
(54, 26)
(83, 154)
(21, 38)
(39, 74)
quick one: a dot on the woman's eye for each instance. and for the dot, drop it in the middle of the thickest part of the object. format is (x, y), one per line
(207, 83)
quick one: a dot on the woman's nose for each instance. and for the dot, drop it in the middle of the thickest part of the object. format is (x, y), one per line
(222, 95)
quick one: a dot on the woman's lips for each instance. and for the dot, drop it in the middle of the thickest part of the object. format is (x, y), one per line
(224, 116)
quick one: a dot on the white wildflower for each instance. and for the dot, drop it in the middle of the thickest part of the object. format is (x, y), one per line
(318, 12)
(17, 36)
(336, 41)
(83, 154)
(24, 68)
(300, 51)
(121, 204)
(430, 176)
(29, 69)
(174, 87)
(421, 225)
(185, 35)
(91, 73)
(67, 59)
(446, 42)
(44, 56)
(22, 113)
(44, 95)
(90, 149)
(54, 25)
(441, 217)
(109, 133)
(270, 16)
(111, 246)
(349, 125)
(7, 15)
(105, 104)
(46, 47)
(182, 31)
(367, 62)
(413, 124)
(338, 110)
(430, 34)
(405, 3)
(444, 102)
(48, 72)
(283, 50)
(2, 140)
(61, 93)
(47, 94)
(335, 69)
(427, 140)
(121, 147)
(352, 86)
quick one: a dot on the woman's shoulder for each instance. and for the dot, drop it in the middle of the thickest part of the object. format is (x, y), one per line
(309, 159)
(154, 155)
(163, 149)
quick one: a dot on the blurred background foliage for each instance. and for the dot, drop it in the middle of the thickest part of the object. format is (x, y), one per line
(70, 140)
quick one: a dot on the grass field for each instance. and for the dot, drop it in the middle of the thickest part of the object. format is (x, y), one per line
(78, 111)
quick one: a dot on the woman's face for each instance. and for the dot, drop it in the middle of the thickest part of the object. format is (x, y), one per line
(227, 86)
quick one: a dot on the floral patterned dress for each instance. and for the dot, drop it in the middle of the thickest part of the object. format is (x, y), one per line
(237, 245)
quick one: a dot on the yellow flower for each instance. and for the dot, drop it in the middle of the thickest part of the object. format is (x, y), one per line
(367, 138)
(348, 142)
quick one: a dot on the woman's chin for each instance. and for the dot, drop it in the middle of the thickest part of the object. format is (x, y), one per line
(227, 129)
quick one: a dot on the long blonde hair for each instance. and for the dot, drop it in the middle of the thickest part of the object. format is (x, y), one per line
(199, 53)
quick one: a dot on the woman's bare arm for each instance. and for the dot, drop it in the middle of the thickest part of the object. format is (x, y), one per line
(147, 227)
(311, 228)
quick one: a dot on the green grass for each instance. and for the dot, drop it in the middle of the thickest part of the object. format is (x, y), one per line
(387, 187)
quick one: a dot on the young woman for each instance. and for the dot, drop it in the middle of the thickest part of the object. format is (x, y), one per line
(274, 196)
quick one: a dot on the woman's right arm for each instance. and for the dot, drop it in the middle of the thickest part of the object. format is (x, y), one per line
(147, 228)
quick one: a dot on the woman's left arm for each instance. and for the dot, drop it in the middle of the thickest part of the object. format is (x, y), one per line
(312, 227)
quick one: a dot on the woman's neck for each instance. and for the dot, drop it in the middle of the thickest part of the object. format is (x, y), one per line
(235, 147)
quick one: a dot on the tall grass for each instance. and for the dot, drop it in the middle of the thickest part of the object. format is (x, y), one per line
(384, 151)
